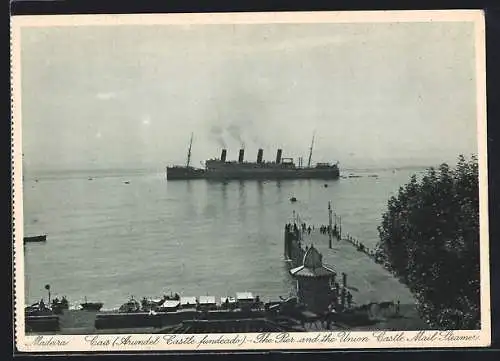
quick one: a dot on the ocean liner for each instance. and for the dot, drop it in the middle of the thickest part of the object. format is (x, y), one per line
(280, 168)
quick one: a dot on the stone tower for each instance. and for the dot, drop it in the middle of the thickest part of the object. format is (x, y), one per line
(313, 282)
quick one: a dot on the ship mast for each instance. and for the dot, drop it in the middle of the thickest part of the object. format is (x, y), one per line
(189, 151)
(311, 152)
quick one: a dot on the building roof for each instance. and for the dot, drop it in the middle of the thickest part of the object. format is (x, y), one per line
(188, 300)
(206, 300)
(312, 265)
(244, 296)
(170, 304)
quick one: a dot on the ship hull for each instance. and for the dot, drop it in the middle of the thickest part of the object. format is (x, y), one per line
(325, 174)
(91, 306)
(184, 173)
(226, 173)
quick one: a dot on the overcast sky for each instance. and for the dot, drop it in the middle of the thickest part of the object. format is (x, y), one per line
(129, 96)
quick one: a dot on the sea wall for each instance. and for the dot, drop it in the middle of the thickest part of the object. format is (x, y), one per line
(162, 319)
(42, 323)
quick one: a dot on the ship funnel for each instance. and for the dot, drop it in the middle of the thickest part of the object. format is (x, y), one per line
(278, 156)
(223, 155)
(259, 156)
(242, 155)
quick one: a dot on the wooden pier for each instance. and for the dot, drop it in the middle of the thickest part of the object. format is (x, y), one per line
(359, 274)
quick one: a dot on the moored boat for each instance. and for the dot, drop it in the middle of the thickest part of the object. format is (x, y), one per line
(38, 309)
(58, 306)
(91, 306)
(130, 306)
(31, 239)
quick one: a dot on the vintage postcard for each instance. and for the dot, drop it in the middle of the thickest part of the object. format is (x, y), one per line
(250, 181)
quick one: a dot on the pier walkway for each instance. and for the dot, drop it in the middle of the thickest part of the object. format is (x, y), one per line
(372, 287)
(367, 280)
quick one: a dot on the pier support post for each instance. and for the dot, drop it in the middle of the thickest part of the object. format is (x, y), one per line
(287, 236)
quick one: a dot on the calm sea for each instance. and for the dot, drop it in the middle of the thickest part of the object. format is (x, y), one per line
(108, 240)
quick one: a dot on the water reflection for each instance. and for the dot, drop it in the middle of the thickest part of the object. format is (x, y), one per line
(279, 191)
(189, 186)
(223, 188)
(242, 211)
(260, 193)
(226, 243)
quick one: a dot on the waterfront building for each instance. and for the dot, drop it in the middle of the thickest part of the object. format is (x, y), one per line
(314, 282)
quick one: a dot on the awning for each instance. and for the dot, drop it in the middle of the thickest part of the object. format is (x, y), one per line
(170, 304)
(188, 301)
(244, 296)
(206, 300)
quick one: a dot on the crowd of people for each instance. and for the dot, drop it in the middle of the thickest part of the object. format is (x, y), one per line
(328, 229)
(342, 297)
(334, 230)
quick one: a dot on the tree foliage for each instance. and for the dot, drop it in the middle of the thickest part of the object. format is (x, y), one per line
(429, 238)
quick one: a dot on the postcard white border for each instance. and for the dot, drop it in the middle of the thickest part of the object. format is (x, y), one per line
(65, 343)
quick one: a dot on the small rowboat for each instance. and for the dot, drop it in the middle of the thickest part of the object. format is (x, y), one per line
(91, 306)
(42, 238)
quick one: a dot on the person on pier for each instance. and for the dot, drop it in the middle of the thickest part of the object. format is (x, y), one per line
(343, 298)
(349, 299)
(329, 314)
(335, 298)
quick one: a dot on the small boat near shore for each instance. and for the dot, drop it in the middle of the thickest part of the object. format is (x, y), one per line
(58, 306)
(35, 239)
(130, 306)
(91, 306)
(38, 309)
